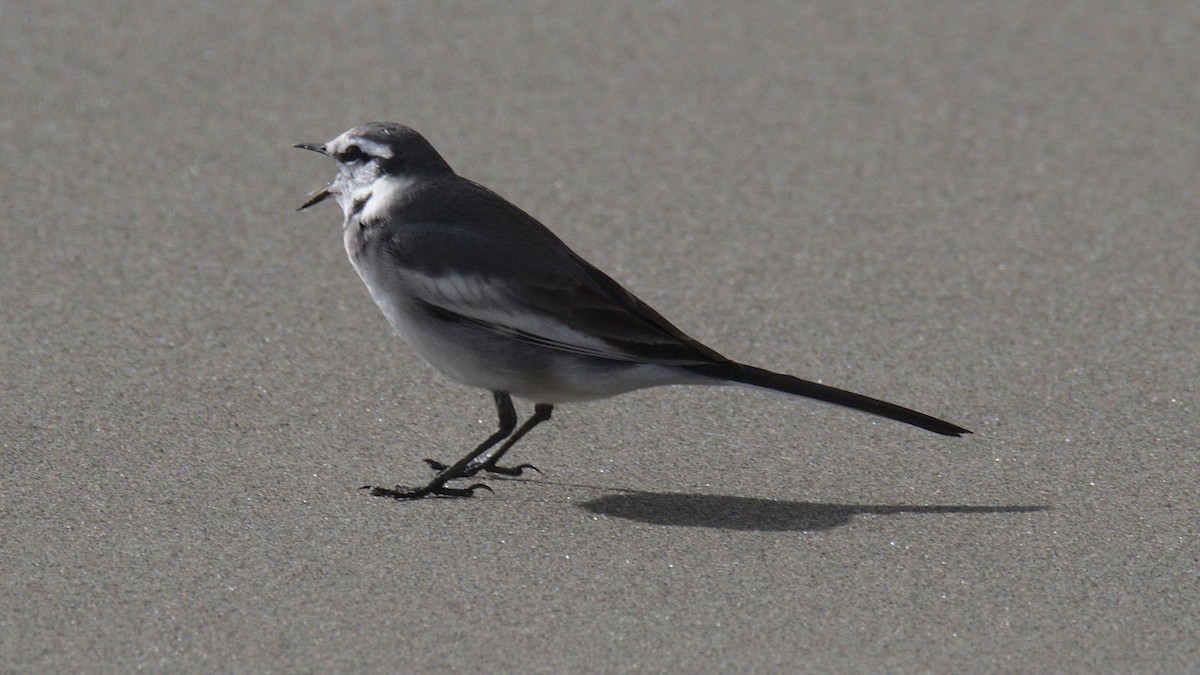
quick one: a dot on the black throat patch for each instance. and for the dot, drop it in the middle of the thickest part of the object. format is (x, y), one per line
(357, 206)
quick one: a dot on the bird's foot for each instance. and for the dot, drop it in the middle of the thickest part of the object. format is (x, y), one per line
(509, 470)
(489, 468)
(431, 490)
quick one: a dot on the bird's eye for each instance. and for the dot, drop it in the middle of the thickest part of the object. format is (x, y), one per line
(352, 154)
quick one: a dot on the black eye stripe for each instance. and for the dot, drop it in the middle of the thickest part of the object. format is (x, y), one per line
(352, 153)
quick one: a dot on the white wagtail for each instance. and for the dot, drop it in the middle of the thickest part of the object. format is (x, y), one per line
(493, 299)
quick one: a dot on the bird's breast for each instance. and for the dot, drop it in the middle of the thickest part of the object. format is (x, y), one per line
(364, 248)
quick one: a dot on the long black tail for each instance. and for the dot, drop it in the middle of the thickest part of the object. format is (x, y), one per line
(757, 377)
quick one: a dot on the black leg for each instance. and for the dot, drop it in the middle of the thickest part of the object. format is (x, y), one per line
(541, 413)
(437, 486)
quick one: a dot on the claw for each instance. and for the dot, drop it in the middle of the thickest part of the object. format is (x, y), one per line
(489, 468)
(510, 470)
(468, 491)
(405, 492)
(398, 492)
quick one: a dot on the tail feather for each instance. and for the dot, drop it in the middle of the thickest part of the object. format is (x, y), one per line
(757, 377)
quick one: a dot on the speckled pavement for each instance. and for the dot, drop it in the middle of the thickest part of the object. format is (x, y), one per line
(986, 211)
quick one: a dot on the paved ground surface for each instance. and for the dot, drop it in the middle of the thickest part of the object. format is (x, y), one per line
(988, 211)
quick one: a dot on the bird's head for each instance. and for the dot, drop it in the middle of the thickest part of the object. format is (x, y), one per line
(374, 160)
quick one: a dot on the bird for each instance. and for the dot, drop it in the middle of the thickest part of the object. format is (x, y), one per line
(493, 299)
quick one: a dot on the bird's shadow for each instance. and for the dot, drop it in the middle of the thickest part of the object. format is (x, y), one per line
(749, 513)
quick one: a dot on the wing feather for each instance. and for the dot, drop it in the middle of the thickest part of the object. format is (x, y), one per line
(474, 258)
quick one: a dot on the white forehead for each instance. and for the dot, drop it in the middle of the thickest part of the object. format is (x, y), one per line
(349, 138)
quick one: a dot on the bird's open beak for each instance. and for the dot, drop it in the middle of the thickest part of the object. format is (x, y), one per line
(316, 197)
(321, 194)
(315, 147)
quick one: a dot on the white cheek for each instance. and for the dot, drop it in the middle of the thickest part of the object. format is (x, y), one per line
(381, 195)
(343, 189)
(353, 185)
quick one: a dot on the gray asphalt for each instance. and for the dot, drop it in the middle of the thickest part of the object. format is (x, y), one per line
(986, 211)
